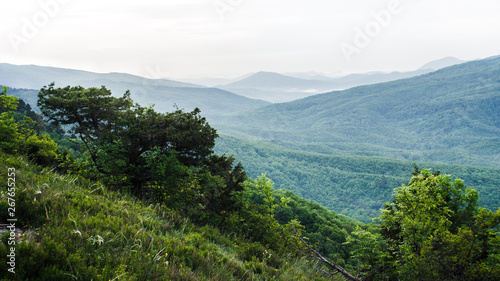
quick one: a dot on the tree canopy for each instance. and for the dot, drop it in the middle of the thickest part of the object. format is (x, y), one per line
(116, 128)
(432, 230)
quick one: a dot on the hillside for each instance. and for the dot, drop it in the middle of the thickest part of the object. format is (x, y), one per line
(72, 228)
(206, 222)
(165, 94)
(355, 186)
(35, 77)
(448, 116)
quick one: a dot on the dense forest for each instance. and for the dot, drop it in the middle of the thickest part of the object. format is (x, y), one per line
(125, 192)
(356, 186)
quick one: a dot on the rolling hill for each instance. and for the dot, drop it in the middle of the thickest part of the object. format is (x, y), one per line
(448, 116)
(35, 77)
(165, 94)
(348, 149)
(275, 87)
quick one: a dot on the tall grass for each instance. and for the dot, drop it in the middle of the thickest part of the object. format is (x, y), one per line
(77, 229)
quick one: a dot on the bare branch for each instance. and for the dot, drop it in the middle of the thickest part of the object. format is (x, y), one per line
(318, 256)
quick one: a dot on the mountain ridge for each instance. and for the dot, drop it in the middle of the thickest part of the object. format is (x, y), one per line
(48, 74)
(165, 94)
(277, 88)
(452, 108)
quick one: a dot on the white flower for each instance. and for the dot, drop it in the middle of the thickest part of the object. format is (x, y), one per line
(99, 240)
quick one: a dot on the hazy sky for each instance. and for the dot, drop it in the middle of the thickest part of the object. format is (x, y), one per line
(224, 38)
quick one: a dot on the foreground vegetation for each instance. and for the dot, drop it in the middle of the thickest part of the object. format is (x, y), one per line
(432, 230)
(146, 198)
(77, 229)
(198, 217)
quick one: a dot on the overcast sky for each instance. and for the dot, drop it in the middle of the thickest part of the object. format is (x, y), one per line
(225, 38)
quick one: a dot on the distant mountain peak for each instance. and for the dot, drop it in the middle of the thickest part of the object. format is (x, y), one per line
(266, 79)
(267, 74)
(441, 63)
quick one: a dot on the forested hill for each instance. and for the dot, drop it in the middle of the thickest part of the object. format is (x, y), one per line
(356, 186)
(451, 115)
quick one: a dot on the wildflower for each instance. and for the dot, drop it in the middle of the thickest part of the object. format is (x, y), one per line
(99, 240)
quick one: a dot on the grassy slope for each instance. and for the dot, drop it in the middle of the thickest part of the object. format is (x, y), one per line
(75, 229)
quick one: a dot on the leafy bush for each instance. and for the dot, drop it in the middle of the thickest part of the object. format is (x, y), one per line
(432, 230)
(42, 150)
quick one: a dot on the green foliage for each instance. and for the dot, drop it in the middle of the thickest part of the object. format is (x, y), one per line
(118, 134)
(168, 175)
(166, 158)
(432, 230)
(350, 185)
(9, 128)
(42, 149)
(370, 251)
(74, 228)
(18, 132)
(323, 229)
(231, 177)
(255, 215)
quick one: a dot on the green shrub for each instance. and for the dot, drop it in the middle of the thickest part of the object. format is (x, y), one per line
(41, 149)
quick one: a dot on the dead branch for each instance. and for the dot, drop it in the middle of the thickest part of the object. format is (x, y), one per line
(319, 257)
